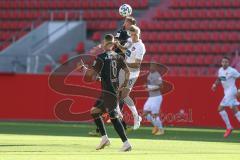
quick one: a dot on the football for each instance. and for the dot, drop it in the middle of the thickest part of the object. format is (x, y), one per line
(125, 10)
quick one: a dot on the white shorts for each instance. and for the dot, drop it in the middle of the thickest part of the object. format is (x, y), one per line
(132, 78)
(230, 99)
(153, 104)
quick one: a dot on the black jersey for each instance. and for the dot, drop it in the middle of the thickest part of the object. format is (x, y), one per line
(108, 65)
(122, 35)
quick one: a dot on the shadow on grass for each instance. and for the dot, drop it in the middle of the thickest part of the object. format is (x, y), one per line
(81, 130)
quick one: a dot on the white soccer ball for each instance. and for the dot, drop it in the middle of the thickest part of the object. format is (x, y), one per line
(125, 10)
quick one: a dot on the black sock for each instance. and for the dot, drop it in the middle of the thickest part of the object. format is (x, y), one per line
(100, 125)
(124, 124)
(121, 104)
(119, 128)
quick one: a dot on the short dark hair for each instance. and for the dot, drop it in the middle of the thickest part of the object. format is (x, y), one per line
(226, 57)
(109, 37)
(131, 20)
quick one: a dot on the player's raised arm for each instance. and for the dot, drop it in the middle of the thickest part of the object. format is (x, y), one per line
(91, 74)
(155, 87)
(121, 47)
(236, 74)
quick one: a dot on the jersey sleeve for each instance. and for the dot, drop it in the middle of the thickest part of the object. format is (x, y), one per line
(235, 73)
(98, 65)
(140, 52)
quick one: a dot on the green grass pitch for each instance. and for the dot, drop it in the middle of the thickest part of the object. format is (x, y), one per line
(69, 141)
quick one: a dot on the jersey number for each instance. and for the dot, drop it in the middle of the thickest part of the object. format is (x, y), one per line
(114, 68)
(128, 53)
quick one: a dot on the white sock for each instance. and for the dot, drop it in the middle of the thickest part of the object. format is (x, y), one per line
(104, 137)
(126, 142)
(225, 118)
(119, 112)
(134, 111)
(149, 118)
(129, 102)
(238, 116)
(157, 122)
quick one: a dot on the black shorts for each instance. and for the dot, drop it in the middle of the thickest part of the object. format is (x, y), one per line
(106, 103)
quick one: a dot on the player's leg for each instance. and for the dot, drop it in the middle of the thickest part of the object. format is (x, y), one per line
(120, 107)
(115, 119)
(96, 132)
(129, 102)
(226, 120)
(155, 108)
(236, 110)
(96, 114)
(148, 114)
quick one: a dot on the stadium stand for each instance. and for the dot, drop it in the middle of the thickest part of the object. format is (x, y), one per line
(189, 36)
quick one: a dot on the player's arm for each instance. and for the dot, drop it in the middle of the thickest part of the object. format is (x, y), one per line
(127, 74)
(137, 64)
(215, 84)
(121, 47)
(91, 74)
(236, 74)
(158, 86)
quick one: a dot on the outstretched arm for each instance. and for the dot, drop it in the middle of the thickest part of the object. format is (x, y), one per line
(137, 64)
(90, 74)
(122, 48)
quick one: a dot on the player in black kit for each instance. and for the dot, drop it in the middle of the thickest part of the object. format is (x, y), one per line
(121, 36)
(107, 65)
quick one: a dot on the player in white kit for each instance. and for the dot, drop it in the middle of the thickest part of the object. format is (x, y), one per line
(227, 76)
(134, 51)
(153, 104)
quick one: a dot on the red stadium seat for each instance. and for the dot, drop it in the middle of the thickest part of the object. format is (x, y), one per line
(181, 59)
(200, 60)
(190, 59)
(163, 59)
(48, 68)
(208, 60)
(172, 59)
(80, 47)
(63, 58)
(96, 36)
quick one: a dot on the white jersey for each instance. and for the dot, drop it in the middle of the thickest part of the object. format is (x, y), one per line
(228, 79)
(134, 51)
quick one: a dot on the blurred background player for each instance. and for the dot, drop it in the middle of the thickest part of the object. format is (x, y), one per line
(227, 76)
(134, 51)
(153, 104)
(108, 65)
